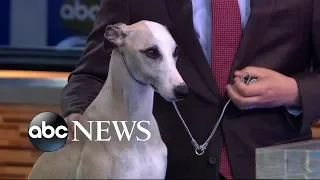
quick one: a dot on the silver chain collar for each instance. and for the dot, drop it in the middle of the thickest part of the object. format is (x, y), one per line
(200, 149)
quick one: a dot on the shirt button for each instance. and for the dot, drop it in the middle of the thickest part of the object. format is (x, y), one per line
(213, 159)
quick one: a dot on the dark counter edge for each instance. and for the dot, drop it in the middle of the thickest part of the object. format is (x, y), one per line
(313, 144)
(39, 58)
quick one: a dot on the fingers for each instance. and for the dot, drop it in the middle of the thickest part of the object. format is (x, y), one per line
(69, 119)
(69, 140)
(255, 89)
(74, 117)
(243, 103)
(257, 72)
(70, 130)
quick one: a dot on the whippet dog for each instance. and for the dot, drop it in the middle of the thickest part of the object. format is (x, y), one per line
(143, 61)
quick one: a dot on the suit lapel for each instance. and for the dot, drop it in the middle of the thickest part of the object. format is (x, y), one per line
(181, 15)
(253, 33)
(180, 12)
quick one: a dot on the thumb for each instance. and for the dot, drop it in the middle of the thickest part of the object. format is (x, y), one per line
(256, 72)
(74, 117)
(70, 118)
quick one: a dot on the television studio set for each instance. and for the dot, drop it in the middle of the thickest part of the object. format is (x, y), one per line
(159, 89)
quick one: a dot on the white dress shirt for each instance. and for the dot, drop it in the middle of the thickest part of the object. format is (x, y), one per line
(202, 17)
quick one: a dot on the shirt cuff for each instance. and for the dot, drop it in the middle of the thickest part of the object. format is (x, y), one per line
(294, 110)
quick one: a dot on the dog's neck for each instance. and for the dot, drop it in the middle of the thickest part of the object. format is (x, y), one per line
(125, 93)
(124, 99)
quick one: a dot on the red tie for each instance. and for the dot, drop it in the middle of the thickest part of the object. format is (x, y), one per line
(226, 35)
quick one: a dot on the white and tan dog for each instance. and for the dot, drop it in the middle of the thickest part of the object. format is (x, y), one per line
(143, 62)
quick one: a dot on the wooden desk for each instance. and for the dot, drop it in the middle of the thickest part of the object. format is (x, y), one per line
(19, 102)
(17, 155)
(316, 131)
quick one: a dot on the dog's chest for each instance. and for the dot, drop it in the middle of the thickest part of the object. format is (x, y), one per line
(142, 163)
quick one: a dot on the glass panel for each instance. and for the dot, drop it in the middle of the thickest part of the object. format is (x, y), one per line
(46, 35)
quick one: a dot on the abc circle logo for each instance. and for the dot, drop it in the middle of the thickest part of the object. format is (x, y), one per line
(48, 132)
(78, 11)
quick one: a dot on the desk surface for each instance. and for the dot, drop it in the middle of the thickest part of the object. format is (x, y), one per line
(31, 87)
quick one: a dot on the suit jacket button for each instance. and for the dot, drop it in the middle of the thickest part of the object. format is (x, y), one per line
(213, 159)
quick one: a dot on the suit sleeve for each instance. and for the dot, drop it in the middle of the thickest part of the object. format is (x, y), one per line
(90, 73)
(309, 83)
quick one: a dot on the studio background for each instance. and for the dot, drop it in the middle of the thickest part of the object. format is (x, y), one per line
(40, 42)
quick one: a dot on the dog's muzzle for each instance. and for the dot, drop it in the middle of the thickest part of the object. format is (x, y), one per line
(181, 91)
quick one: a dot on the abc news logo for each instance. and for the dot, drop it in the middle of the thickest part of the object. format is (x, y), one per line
(78, 11)
(48, 131)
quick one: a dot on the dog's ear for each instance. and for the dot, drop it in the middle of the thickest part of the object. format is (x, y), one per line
(115, 34)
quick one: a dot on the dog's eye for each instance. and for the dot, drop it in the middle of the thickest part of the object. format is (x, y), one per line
(175, 53)
(152, 53)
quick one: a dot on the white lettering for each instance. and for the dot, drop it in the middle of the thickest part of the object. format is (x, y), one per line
(44, 130)
(144, 130)
(78, 11)
(32, 134)
(64, 135)
(125, 129)
(82, 129)
(99, 130)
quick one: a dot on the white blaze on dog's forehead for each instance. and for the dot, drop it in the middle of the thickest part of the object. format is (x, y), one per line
(162, 35)
(166, 45)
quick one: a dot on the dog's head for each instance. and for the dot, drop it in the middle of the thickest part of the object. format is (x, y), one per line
(150, 53)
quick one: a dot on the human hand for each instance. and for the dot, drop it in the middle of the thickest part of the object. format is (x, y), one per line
(271, 90)
(69, 119)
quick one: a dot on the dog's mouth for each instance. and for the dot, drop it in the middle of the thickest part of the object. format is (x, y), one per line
(167, 99)
(178, 99)
(173, 99)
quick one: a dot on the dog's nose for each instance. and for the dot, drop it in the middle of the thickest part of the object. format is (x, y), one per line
(181, 91)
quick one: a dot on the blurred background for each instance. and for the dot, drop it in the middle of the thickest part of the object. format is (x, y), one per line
(40, 42)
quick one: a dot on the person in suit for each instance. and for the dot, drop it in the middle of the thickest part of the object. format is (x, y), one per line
(219, 40)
